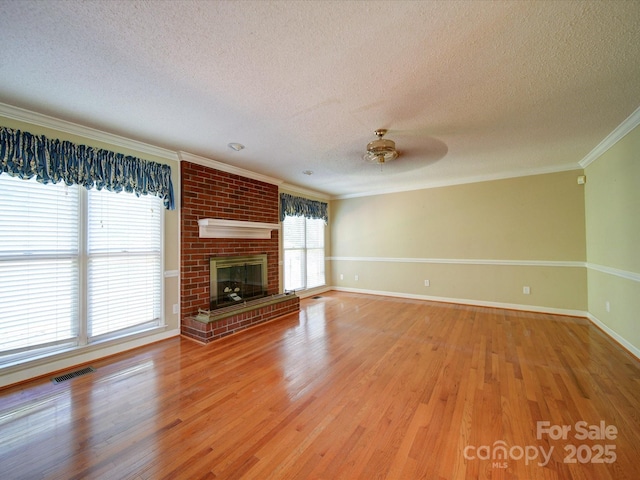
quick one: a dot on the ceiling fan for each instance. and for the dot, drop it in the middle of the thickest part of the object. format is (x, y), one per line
(382, 150)
(419, 149)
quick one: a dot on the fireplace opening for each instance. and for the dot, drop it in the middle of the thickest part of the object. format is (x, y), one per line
(237, 279)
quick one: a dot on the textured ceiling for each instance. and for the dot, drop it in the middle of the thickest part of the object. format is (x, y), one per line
(468, 89)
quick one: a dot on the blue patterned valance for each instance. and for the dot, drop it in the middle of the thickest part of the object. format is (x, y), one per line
(302, 207)
(25, 155)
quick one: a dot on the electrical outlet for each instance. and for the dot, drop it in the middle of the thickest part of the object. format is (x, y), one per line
(341, 276)
(356, 278)
(607, 306)
(526, 290)
(427, 283)
(176, 308)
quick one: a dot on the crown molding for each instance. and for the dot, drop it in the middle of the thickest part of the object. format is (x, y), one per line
(28, 116)
(472, 179)
(207, 162)
(610, 140)
(34, 118)
(304, 191)
(46, 121)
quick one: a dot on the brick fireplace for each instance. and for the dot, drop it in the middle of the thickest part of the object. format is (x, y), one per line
(214, 194)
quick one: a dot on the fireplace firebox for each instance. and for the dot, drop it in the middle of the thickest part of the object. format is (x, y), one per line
(235, 280)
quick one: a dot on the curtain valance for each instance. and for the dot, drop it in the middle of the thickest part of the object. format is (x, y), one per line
(25, 155)
(302, 207)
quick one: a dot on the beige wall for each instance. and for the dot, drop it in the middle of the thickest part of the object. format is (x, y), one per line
(612, 205)
(480, 242)
(171, 264)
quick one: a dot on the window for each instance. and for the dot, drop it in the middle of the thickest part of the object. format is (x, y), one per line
(76, 266)
(303, 240)
(39, 269)
(124, 251)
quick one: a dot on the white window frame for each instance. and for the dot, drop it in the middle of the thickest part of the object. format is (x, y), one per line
(305, 254)
(81, 339)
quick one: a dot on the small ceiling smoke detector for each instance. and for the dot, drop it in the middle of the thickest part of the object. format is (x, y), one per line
(308, 172)
(235, 146)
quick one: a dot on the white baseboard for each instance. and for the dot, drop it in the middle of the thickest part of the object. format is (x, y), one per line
(67, 361)
(633, 350)
(464, 301)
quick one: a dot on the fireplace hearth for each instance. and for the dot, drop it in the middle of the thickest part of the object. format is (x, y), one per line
(236, 280)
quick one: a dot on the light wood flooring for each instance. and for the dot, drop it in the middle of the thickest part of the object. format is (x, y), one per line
(354, 387)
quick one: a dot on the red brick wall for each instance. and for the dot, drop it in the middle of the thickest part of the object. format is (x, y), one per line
(210, 193)
(208, 332)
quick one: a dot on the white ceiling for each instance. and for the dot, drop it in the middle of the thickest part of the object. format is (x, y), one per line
(468, 89)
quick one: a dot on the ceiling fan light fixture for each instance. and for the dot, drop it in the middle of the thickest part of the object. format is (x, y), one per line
(381, 150)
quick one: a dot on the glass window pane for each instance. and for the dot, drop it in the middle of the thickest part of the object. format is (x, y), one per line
(124, 291)
(38, 298)
(124, 278)
(293, 232)
(315, 267)
(294, 270)
(303, 244)
(37, 218)
(315, 233)
(123, 222)
(39, 269)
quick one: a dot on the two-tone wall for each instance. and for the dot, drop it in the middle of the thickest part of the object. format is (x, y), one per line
(613, 240)
(577, 247)
(478, 243)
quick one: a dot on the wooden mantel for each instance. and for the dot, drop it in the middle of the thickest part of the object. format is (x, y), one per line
(218, 228)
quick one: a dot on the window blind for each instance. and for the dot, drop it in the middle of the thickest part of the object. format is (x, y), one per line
(76, 266)
(315, 252)
(124, 250)
(303, 245)
(293, 239)
(38, 265)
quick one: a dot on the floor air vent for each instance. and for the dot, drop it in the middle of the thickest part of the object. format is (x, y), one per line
(69, 376)
(316, 297)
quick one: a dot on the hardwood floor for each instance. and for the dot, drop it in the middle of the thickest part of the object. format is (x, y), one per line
(355, 386)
